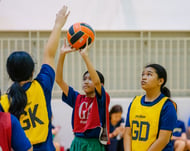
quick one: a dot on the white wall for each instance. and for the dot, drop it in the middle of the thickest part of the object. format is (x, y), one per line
(100, 14)
(62, 116)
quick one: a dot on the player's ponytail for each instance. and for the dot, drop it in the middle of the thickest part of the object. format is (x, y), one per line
(17, 98)
(165, 91)
(20, 67)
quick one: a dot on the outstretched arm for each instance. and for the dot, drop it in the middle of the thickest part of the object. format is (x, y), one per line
(53, 41)
(59, 71)
(93, 74)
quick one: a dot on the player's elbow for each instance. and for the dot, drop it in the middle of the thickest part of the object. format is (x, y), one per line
(58, 80)
(97, 83)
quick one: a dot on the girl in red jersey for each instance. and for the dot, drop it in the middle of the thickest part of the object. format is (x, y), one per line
(90, 111)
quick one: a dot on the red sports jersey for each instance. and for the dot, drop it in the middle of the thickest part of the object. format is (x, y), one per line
(5, 131)
(86, 115)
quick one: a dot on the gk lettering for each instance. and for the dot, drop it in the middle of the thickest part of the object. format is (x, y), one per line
(32, 117)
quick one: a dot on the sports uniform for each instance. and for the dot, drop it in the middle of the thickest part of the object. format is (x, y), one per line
(36, 121)
(88, 117)
(12, 134)
(147, 118)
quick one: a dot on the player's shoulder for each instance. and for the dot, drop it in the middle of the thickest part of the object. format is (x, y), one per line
(171, 102)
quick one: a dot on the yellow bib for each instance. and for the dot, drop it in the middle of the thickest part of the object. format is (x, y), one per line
(144, 121)
(35, 120)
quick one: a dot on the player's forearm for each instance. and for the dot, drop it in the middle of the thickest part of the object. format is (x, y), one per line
(52, 45)
(127, 139)
(162, 140)
(53, 41)
(59, 75)
(93, 73)
(159, 144)
(59, 69)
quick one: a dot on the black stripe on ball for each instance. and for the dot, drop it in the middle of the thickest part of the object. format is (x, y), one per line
(76, 37)
(71, 30)
(89, 42)
(83, 24)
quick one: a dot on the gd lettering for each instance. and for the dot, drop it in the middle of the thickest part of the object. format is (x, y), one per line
(84, 110)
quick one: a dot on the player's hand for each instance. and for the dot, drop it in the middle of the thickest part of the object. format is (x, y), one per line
(84, 51)
(66, 48)
(61, 16)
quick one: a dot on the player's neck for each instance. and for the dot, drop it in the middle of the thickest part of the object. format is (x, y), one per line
(90, 95)
(152, 95)
(24, 82)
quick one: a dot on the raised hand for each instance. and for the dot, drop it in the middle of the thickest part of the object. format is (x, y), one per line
(53, 41)
(66, 48)
(61, 16)
(84, 51)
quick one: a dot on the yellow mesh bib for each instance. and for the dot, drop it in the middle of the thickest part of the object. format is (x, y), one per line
(144, 121)
(35, 120)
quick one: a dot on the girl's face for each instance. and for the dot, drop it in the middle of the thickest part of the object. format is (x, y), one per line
(115, 118)
(88, 85)
(150, 79)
